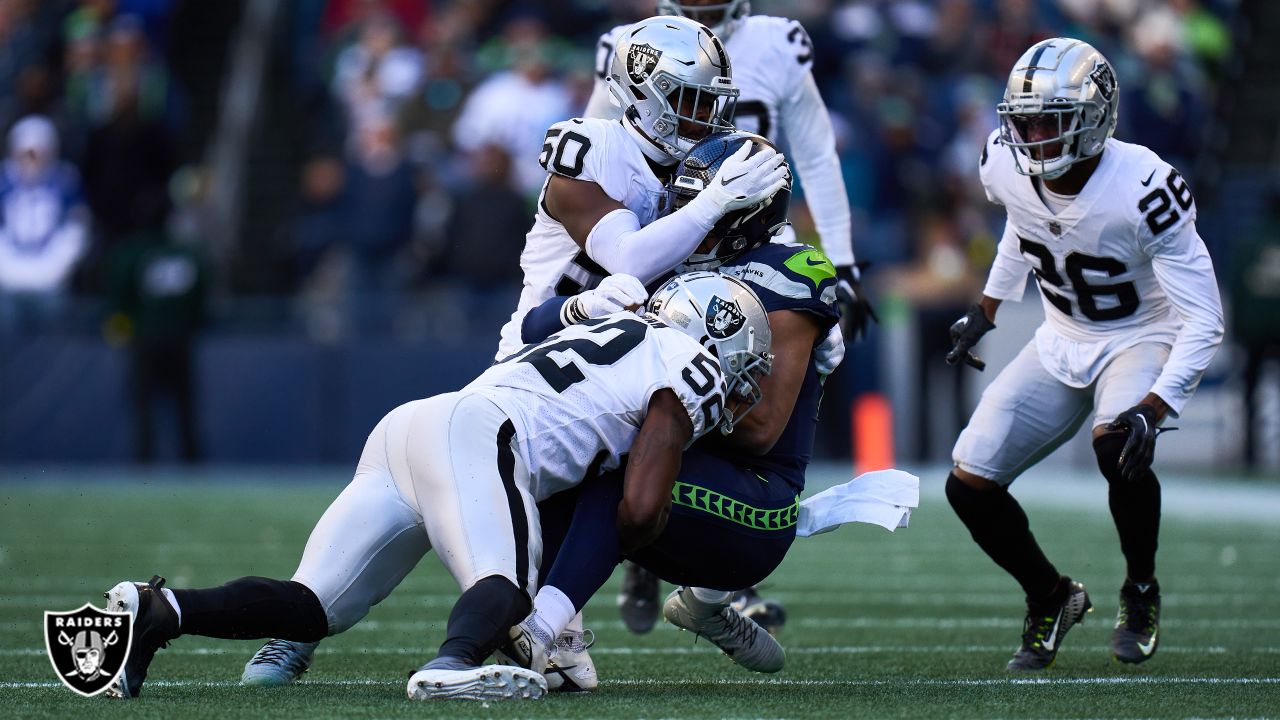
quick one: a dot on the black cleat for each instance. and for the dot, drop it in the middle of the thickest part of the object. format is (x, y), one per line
(1046, 627)
(1137, 632)
(768, 614)
(155, 623)
(638, 601)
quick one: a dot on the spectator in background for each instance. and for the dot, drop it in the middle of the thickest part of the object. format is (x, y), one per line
(513, 108)
(42, 227)
(1163, 106)
(1255, 295)
(374, 76)
(157, 302)
(485, 231)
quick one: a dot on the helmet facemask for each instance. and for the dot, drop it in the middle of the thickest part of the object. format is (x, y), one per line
(1048, 138)
(673, 80)
(743, 370)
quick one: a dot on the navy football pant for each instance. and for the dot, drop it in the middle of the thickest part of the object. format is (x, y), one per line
(729, 529)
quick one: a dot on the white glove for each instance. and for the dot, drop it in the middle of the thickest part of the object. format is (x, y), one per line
(830, 353)
(614, 294)
(742, 182)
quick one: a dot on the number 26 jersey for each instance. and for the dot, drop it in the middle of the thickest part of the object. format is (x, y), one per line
(1122, 264)
(579, 397)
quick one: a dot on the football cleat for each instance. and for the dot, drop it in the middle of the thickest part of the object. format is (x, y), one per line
(638, 601)
(279, 662)
(570, 669)
(768, 614)
(739, 637)
(155, 623)
(453, 679)
(1137, 632)
(528, 646)
(1046, 627)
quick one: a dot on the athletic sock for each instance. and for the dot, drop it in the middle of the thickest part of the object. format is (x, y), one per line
(253, 607)
(711, 597)
(553, 611)
(481, 619)
(1135, 507)
(999, 526)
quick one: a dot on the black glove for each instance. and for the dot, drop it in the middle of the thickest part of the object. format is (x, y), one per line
(855, 308)
(965, 333)
(1139, 423)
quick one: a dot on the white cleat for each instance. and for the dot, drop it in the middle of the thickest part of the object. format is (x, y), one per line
(528, 647)
(569, 669)
(490, 682)
(278, 663)
(745, 642)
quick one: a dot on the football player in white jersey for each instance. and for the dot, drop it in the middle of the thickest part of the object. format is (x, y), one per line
(1132, 319)
(598, 212)
(772, 69)
(461, 473)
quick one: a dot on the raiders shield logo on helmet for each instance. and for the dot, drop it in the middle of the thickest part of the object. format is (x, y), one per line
(88, 647)
(724, 318)
(641, 60)
(1104, 80)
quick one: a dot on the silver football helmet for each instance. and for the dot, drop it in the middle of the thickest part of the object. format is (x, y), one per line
(723, 314)
(672, 78)
(722, 17)
(1062, 97)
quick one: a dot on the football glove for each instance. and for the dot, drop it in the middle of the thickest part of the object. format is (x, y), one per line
(743, 181)
(965, 333)
(855, 306)
(614, 294)
(1139, 425)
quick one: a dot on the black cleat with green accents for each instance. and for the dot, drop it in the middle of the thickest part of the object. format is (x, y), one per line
(1137, 630)
(1046, 627)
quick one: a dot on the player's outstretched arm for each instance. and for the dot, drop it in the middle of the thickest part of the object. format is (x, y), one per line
(614, 294)
(652, 467)
(794, 335)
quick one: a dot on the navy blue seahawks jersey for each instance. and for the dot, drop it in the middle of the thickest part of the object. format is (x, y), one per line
(792, 277)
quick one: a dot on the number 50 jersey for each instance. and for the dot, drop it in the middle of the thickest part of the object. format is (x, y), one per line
(1121, 265)
(595, 151)
(579, 397)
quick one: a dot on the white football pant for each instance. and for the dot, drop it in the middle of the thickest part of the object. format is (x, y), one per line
(1026, 414)
(436, 473)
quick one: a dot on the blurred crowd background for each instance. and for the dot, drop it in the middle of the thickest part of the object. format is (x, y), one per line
(242, 230)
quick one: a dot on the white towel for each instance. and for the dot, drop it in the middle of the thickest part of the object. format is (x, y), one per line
(883, 497)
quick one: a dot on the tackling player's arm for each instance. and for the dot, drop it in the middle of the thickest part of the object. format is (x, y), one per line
(613, 237)
(794, 336)
(652, 466)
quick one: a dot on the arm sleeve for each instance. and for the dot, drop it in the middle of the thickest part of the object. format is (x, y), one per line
(620, 245)
(1182, 267)
(1008, 277)
(807, 125)
(544, 320)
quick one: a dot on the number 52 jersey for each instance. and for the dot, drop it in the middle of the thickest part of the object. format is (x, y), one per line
(578, 398)
(1121, 265)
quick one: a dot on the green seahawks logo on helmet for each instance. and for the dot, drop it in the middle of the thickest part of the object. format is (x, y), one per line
(641, 60)
(724, 318)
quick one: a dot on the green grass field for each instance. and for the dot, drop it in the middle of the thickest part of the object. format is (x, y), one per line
(915, 624)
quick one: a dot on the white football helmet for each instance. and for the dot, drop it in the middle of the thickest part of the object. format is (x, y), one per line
(722, 17)
(672, 78)
(723, 314)
(1062, 93)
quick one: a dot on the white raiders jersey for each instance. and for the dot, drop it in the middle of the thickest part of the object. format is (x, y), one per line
(772, 61)
(592, 150)
(1122, 264)
(578, 398)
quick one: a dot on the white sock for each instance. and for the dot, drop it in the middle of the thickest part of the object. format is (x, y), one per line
(575, 624)
(553, 610)
(173, 600)
(711, 597)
